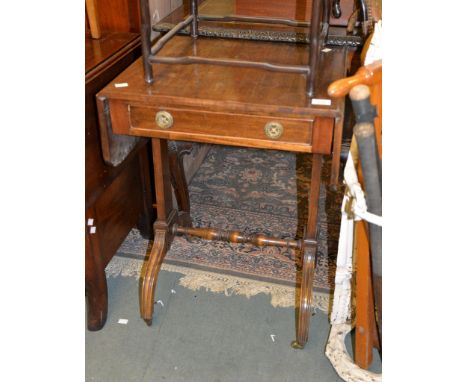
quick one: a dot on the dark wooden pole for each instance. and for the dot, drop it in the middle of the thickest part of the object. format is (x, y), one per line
(229, 62)
(194, 12)
(314, 38)
(326, 11)
(165, 39)
(146, 40)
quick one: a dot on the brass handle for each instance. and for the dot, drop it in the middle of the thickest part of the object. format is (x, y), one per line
(164, 119)
(274, 130)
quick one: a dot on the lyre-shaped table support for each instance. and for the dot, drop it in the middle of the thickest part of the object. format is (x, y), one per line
(169, 222)
(166, 216)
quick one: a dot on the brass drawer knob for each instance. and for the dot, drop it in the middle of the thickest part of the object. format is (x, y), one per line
(273, 130)
(164, 119)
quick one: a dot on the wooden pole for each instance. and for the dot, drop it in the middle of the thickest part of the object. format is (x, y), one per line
(93, 19)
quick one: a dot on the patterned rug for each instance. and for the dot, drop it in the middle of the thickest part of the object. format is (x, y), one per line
(254, 191)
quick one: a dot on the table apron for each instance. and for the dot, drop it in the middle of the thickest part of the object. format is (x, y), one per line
(311, 135)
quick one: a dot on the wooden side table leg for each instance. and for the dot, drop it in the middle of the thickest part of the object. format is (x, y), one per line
(96, 286)
(96, 295)
(179, 182)
(337, 140)
(147, 216)
(150, 277)
(309, 251)
(166, 216)
(305, 304)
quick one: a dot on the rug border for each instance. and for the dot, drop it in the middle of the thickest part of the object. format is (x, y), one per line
(196, 279)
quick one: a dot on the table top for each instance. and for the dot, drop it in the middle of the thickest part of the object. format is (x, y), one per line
(233, 89)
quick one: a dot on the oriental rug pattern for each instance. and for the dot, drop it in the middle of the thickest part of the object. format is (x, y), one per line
(254, 191)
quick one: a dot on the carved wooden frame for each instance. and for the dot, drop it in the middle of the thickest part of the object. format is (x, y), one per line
(263, 35)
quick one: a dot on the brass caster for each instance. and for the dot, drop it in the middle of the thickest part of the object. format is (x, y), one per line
(297, 345)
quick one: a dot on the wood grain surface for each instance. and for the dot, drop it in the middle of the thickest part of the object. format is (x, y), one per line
(233, 89)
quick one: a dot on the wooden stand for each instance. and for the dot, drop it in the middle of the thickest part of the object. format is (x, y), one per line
(231, 105)
(167, 225)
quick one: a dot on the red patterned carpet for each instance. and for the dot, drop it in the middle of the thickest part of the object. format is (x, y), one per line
(255, 191)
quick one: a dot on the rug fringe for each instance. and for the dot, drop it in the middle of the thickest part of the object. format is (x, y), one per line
(195, 279)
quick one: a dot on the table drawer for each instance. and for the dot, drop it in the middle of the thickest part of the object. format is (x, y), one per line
(221, 128)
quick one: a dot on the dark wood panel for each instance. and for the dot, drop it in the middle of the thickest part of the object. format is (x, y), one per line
(97, 51)
(116, 198)
(322, 135)
(98, 175)
(290, 9)
(118, 209)
(119, 15)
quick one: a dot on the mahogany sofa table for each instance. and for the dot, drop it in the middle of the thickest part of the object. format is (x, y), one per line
(236, 106)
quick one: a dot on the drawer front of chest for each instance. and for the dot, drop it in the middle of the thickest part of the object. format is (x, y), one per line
(222, 128)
